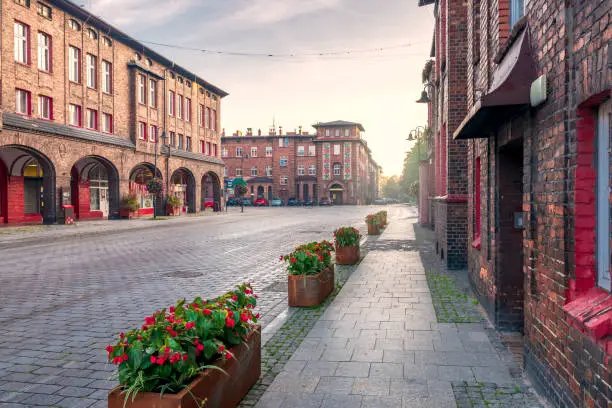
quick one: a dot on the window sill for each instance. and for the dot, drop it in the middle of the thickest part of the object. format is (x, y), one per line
(476, 243)
(24, 64)
(45, 71)
(591, 313)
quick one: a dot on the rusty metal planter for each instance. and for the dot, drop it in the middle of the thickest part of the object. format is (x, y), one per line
(373, 229)
(219, 390)
(348, 255)
(311, 290)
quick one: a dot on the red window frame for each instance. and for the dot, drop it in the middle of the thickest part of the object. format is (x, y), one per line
(110, 131)
(142, 135)
(96, 125)
(28, 102)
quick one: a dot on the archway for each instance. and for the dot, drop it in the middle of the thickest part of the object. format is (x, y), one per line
(182, 186)
(261, 192)
(94, 182)
(27, 186)
(336, 193)
(139, 177)
(211, 190)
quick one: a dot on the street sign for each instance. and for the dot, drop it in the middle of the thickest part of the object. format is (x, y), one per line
(230, 191)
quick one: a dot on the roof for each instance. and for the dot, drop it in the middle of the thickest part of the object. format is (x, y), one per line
(238, 138)
(338, 123)
(118, 35)
(260, 179)
(15, 121)
(426, 2)
(190, 155)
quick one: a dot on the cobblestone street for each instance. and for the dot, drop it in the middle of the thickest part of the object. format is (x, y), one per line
(66, 296)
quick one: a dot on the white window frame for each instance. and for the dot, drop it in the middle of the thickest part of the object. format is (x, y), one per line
(269, 171)
(312, 151)
(107, 77)
(604, 115)
(201, 115)
(179, 106)
(22, 42)
(107, 122)
(327, 132)
(74, 64)
(92, 71)
(268, 151)
(142, 131)
(44, 52)
(152, 93)
(88, 116)
(22, 101)
(225, 172)
(74, 115)
(337, 133)
(284, 161)
(45, 107)
(347, 132)
(284, 180)
(338, 167)
(142, 89)
(337, 150)
(253, 152)
(224, 152)
(239, 152)
(312, 170)
(301, 170)
(187, 109)
(301, 151)
(238, 172)
(171, 101)
(253, 171)
(152, 133)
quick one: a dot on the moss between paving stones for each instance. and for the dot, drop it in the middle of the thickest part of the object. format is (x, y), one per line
(450, 303)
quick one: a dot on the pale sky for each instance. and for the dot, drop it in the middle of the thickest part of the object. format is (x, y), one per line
(377, 89)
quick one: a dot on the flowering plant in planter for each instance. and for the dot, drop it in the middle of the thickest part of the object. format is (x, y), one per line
(174, 201)
(155, 186)
(174, 345)
(129, 202)
(373, 219)
(309, 259)
(347, 237)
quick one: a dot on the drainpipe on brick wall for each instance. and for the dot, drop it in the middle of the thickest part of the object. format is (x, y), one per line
(570, 114)
(165, 113)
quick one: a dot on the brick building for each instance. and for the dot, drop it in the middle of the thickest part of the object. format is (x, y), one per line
(334, 162)
(83, 105)
(539, 80)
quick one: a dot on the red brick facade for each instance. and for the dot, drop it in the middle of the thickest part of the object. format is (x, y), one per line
(335, 162)
(81, 98)
(532, 177)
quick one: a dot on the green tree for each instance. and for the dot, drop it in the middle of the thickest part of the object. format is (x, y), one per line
(392, 187)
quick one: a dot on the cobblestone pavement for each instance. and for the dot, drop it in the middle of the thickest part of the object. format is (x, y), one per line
(65, 298)
(379, 344)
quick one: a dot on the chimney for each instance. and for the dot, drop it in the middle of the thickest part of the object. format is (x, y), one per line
(280, 130)
(300, 132)
(223, 133)
(249, 131)
(258, 132)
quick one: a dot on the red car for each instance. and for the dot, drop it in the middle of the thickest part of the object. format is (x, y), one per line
(261, 202)
(209, 203)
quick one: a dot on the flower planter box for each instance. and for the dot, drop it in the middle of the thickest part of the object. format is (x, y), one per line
(219, 390)
(125, 213)
(306, 291)
(373, 229)
(348, 255)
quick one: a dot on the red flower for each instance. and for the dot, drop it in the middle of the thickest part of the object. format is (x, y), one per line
(161, 360)
(199, 347)
(189, 325)
(171, 309)
(293, 260)
(221, 349)
(167, 350)
(281, 258)
(320, 258)
(206, 312)
(257, 316)
(153, 359)
(122, 335)
(110, 349)
(144, 327)
(230, 322)
(185, 357)
(244, 317)
(235, 297)
(150, 320)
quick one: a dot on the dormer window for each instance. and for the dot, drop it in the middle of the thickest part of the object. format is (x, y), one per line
(180, 80)
(44, 11)
(107, 41)
(149, 62)
(188, 83)
(73, 24)
(91, 33)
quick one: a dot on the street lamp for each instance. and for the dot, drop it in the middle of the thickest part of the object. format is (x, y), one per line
(425, 94)
(419, 131)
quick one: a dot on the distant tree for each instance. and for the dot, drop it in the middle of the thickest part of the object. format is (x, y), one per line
(392, 187)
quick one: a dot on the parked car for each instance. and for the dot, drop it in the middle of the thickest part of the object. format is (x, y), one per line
(308, 202)
(261, 202)
(276, 202)
(325, 201)
(292, 202)
(380, 201)
(209, 203)
(246, 202)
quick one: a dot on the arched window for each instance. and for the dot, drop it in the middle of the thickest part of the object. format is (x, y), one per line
(74, 25)
(107, 41)
(91, 33)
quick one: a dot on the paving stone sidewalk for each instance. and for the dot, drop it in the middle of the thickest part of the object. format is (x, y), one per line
(379, 343)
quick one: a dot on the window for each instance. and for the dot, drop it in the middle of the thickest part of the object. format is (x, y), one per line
(327, 132)
(253, 171)
(517, 11)
(179, 106)
(44, 52)
(284, 161)
(74, 25)
(74, 115)
(23, 102)
(336, 150)
(603, 195)
(284, 180)
(45, 107)
(171, 103)
(107, 123)
(74, 64)
(142, 89)
(201, 115)
(301, 170)
(208, 148)
(188, 109)
(188, 143)
(172, 139)
(239, 152)
(213, 120)
(22, 43)
(44, 11)
(347, 132)
(269, 171)
(92, 71)
(152, 93)
(337, 169)
(138, 56)
(107, 42)
(142, 131)
(207, 119)
(268, 151)
(224, 152)
(300, 150)
(253, 152)
(91, 33)
(91, 119)
(107, 77)
(476, 203)
(337, 133)
(312, 170)
(215, 150)
(238, 172)
(180, 141)
(148, 62)
(25, 3)
(283, 142)
(312, 150)
(152, 133)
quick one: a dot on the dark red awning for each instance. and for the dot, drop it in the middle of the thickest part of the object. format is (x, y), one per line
(509, 92)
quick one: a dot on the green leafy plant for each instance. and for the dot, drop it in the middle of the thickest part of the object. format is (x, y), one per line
(374, 219)
(174, 345)
(309, 259)
(347, 237)
(155, 186)
(240, 190)
(174, 201)
(130, 202)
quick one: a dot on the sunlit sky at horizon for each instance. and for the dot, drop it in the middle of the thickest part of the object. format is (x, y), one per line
(377, 89)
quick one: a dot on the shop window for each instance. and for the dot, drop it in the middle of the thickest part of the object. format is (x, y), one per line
(604, 113)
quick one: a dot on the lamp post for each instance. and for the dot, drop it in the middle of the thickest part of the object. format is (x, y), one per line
(244, 156)
(154, 177)
(419, 131)
(425, 94)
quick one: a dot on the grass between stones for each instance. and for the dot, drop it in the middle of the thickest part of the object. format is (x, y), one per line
(450, 303)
